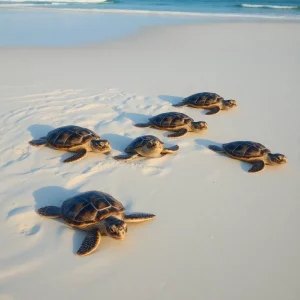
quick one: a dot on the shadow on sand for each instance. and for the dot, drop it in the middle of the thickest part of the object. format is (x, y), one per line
(202, 143)
(137, 118)
(39, 130)
(54, 196)
(170, 99)
(118, 142)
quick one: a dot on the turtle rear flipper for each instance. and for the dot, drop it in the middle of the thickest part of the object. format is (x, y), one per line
(213, 111)
(138, 217)
(178, 133)
(80, 154)
(180, 104)
(142, 125)
(50, 212)
(126, 157)
(170, 150)
(258, 166)
(216, 148)
(39, 142)
(90, 243)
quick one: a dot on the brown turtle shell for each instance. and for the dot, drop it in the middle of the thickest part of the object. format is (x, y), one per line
(70, 136)
(90, 208)
(170, 120)
(205, 99)
(245, 149)
(140, 142)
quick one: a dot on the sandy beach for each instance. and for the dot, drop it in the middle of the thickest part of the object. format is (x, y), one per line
(220, 232)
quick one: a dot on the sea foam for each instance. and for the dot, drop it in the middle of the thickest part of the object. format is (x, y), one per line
(269, 6)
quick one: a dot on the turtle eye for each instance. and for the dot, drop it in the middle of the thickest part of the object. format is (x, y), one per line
(113, 228)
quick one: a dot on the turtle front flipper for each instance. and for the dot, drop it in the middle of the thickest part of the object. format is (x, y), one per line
(178, 133)
(216, 148)
(213, 111)
(126, 157)
(39, 142)
(170, 150)
(180, 104)
(90, 243)
(51, 212)
(138, 217)
(257, 167)
(80, 154)
(142, 125)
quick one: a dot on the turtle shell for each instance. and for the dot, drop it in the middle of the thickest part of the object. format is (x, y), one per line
(140, 142)
(245, 149)
(204, 99)
(90, 208)
(70, 136)
(170, 120)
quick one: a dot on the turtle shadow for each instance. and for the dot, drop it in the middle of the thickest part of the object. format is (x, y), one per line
(204, 143)
(52, 196)
(245, 166)
(171, 99)
(39, 130)
(136, 118)
(55, 195)
(118, 142)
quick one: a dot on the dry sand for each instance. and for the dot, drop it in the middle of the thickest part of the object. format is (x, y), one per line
(220, 233)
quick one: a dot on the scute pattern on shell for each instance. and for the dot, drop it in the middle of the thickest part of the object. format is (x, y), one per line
(170, 119)
(90, 207)
(140, 142)
(70, 136)
(203, 99)
(245, 149)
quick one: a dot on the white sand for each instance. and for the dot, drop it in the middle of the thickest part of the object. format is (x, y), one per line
(220, 233)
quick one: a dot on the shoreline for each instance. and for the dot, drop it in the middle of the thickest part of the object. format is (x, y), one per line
(61, 28)
(199, 15)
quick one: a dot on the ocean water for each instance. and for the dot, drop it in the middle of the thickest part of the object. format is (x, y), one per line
(242, 8)
(54, 23)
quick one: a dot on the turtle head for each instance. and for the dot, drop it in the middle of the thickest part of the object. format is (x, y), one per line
(277, 158)
(116, 228)
(229, 103)
(153, 144)
(100, 146)
(197, 126)
(152, 148)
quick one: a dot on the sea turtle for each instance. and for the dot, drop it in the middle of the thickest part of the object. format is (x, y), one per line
(211, 101)
(97, 213)
(74, 139)
(174, 121)
(251, 152)
(146, 146)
